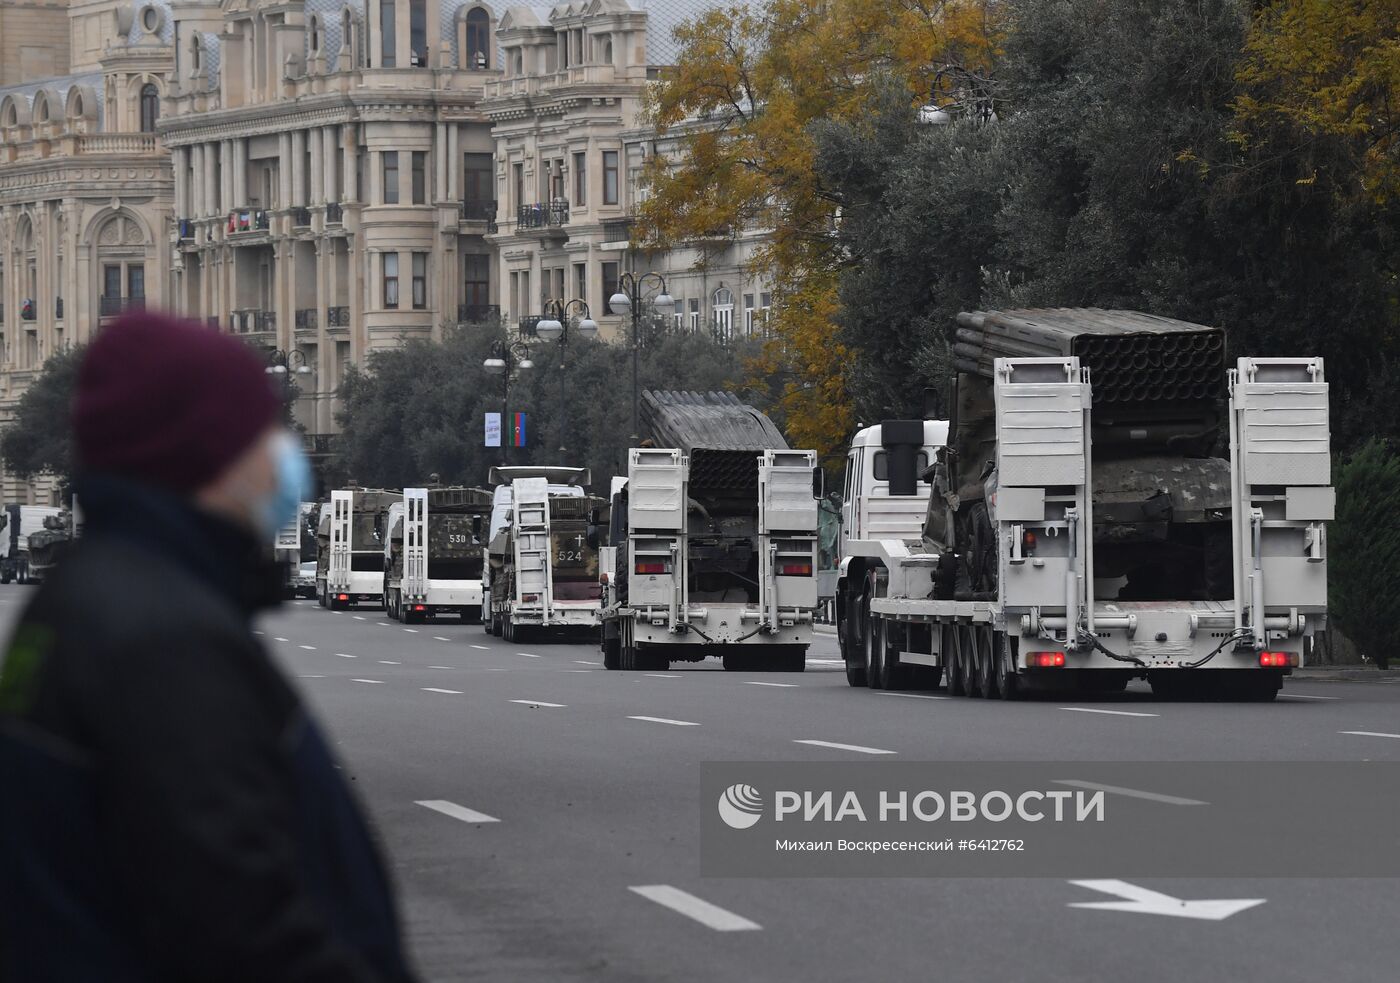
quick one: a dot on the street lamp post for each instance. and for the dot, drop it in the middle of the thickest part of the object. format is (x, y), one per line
(629, 297)
(505, 358)
(285, 364)
(555, 325)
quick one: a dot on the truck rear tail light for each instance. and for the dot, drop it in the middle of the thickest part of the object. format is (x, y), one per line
(342, 597)
(529, 598)
(652, 566)
(794, 569)
(1272, 659)
(1028, 543)
(1045, 660)
(420, 607)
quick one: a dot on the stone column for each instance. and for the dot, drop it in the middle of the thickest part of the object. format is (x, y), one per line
(454, 163)
(284, 170)
(318, 172)
(438, 192)
(347, 177)
(240, 174)
(211, 190)
(330, 192)
(298, 168)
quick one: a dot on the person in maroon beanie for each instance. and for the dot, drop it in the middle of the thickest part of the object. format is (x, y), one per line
(168, 809)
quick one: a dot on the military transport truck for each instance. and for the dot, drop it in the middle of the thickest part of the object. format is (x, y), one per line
(711, 544)
(1107, 502)
(541, 571)
(21, 522)
(48, 546)
(350, 546)
(434, 553)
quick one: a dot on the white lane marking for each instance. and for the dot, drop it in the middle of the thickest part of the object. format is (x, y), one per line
(846, 747)
(278, 638)
(484, 648)
(653, 675)
(309, 648)
(434, 689)
(367, 681)
(665, 720)
(709, 915)
(755, 682)
(538, 703)
(1146, 902)
(411, 631)
(382, 624)
(1369, 733)
(439, 638)
(497, 669)
(456, 812)
(342, 655)
(359, 617)
(914, 696)
(311, 677)
(386, 662)
(442, 667)
(259, 632)
(578, 670)
(585, 662)
(1303, 696)
(528, 655)
(1174, 800)
(826, 662)
(1115, 713)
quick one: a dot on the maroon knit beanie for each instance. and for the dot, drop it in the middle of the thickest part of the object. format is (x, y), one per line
(168, 402)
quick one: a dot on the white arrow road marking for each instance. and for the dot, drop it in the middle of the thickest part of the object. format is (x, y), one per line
(1147, 902)
(457, 812)
(1174, 800)
(434, 689)
(539, 703)
(666, 720)
(1116, 713)
(846, 747)
(711, 916)
(1369, 733)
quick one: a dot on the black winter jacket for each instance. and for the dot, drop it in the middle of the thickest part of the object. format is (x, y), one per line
(169, 813)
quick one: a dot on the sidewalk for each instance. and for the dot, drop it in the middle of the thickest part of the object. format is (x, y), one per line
(1347, 674)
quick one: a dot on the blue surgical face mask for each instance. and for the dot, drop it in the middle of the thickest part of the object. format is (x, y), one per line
(293, 485)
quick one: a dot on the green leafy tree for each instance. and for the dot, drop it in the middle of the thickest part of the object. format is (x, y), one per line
(1363, 554)
(39, 440)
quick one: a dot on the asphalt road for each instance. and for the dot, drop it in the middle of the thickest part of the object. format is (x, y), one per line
(562, 839)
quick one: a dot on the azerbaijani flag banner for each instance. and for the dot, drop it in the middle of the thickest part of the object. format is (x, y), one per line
(519, 430)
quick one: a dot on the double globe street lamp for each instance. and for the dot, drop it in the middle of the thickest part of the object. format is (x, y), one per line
(631, 297)
(559, 317)
(284, 365)
(505, 359)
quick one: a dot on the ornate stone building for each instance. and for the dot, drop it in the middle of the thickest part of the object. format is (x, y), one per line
(328, 177)
(85, 188)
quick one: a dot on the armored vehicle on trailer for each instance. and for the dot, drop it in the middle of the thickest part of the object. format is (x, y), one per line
(350, 546)
(434, 553)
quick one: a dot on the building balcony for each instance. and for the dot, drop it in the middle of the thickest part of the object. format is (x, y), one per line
(335, 213)
(113, 306)
(318, 444)
(479, 211)
(337, 317)
(117, 143)
(306, 319)
(478, 313)
(185, 229)
(248, 222)
(617, 230)
(251, 321)
(527, 326)
(301, 218)
(27, 311)
(542, 215)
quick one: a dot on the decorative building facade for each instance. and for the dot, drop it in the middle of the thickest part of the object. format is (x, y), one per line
(328, 177)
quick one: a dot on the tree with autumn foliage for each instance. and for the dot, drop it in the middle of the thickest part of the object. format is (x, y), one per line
(744, 97)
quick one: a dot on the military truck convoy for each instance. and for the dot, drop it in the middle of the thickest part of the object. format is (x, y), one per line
(1076, 525)
(711, 542)
(542, 571)
(21, 524)
(433, 554)
(350, 547)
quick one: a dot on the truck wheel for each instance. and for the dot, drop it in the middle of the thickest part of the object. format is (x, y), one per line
(1008, 683)
(612, 653)
(5, 577)
(856, 629)
(957, 655)
(872, 642)
(986, 664)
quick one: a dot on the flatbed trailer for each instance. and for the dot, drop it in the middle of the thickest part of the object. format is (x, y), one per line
(910, 611)
(434, 552)
(350, 555)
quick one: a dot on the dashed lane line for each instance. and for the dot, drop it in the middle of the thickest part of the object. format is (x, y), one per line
(383, 624)
(386, 662)
(585, 662)
(360, 617)
(311, 677)
(434, 689)
(540, 703)
(655, 675)
(342, 655)
(279, 638)
(442, 667)
(1114, 713)
(914, 696)
(756, 682)
(1133, 793)
(528, 655)
(1304, 696)
(483, 648)
(309, 648)
(377, 681)
(666, 720)
(846, 747)
(439, 638)
(456, 812)
(411, 631)
(684, 903)
(1369, 733)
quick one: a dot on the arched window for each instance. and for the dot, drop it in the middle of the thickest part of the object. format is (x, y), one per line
(41, 108)
(196, 54)
(346, 59)
(78, 107)
(315, 35)
(11, 117)
(150, 107)
(478, 50)
(723, 315)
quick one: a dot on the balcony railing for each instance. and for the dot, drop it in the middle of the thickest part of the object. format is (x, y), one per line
(617, 229)
(306, 319)
(542, 215)
(248, 321)
(478, 211)
(478, 313)
(318, 444)
(26, 311)
(301, 218)
(335, 214)
(528, 325)
(254, 220)
(186, 229)
(337, 317)
(112, 306)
